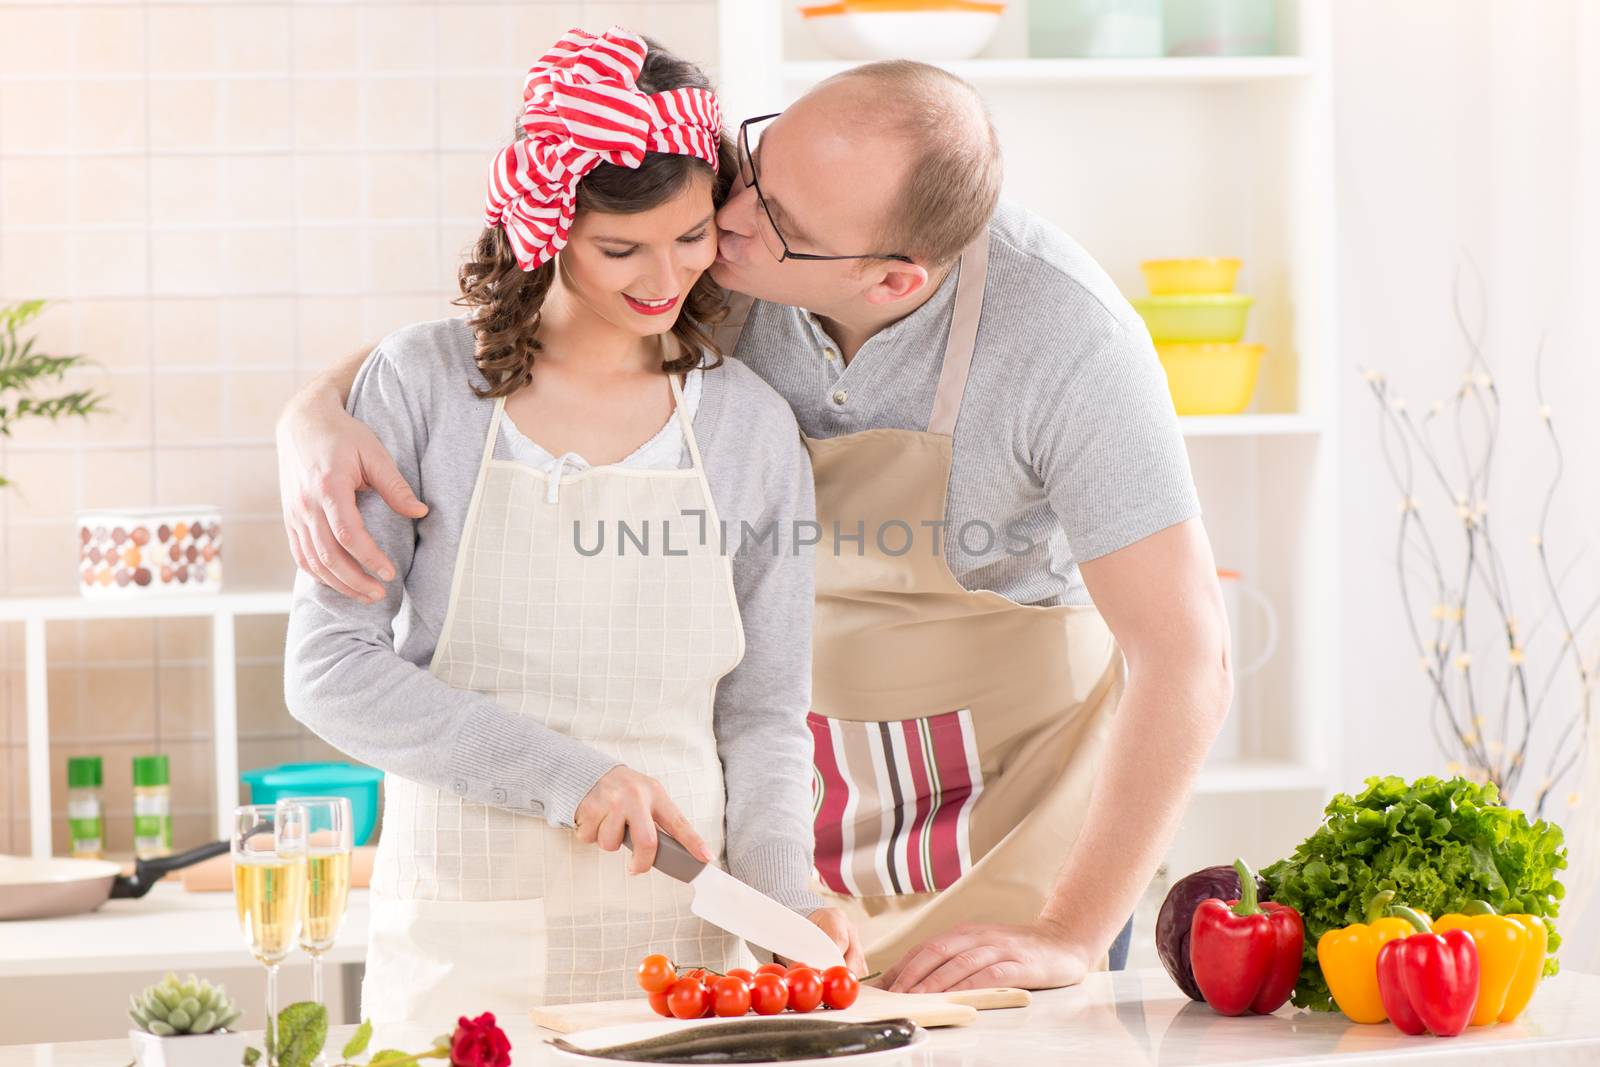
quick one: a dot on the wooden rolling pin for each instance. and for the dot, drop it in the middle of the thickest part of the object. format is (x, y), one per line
(215, 875)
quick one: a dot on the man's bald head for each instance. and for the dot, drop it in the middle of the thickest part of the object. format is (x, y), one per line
(947, 155)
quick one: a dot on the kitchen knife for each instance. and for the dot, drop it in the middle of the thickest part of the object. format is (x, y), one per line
(724, 901)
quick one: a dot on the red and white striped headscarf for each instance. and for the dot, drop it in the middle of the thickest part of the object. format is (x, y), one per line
(581, 108)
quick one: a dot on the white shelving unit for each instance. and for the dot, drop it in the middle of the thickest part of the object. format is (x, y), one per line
(221, 608)
(1250, 425)
(1153, 158)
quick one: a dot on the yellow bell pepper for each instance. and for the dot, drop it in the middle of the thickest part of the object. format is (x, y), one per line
(1349, 960)
(1532, 968)
(1502, 943)
(1511, 950)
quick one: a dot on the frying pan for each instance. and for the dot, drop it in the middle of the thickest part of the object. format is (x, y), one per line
(44, 889)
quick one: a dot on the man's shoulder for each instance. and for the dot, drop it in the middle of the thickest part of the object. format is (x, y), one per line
(1051, 310)
(1037, 268)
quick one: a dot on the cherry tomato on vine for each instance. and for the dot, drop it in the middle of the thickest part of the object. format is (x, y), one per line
(840, 987)
(656, 974)
(769, 994)
(805, 989)
(688, 998)
(730, 996)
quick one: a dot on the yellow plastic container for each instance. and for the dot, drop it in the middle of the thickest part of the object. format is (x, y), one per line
(1172, 277)
(1211, 379)
(1217, 318)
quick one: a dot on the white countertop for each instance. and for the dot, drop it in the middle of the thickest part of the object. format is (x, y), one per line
(1132, 1017)
(1135, 1017)
(169, 928)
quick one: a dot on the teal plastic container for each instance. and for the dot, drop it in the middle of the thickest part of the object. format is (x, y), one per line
(359, 784)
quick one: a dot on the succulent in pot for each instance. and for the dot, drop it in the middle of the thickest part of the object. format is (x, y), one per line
(179, 1024)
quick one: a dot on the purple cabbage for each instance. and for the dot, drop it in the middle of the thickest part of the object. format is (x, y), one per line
(1177, 914)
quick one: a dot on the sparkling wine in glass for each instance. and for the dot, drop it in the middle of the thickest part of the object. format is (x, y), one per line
(329, 844)
(269, 888)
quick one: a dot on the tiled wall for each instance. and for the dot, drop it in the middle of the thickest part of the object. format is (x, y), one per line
(219, 199)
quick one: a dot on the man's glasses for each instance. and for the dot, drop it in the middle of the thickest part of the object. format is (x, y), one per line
(776, 243)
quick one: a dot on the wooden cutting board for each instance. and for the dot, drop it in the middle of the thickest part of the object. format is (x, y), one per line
(925, 1009)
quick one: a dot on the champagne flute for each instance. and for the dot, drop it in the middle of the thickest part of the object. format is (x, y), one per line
(329, 845)
(269, 888)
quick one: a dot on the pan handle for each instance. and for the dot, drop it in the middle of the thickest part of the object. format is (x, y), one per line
(147, 873)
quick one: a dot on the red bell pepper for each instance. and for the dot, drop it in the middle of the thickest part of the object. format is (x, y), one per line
(1245, 956)
(1428, 981)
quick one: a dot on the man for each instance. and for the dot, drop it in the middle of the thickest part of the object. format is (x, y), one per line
(1020, 646)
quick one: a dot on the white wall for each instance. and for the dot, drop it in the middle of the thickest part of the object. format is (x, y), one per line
(1464, 127)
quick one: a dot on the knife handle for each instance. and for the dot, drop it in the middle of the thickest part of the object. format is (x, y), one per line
(671, 857)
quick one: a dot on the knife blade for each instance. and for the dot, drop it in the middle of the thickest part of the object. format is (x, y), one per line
(725, 902)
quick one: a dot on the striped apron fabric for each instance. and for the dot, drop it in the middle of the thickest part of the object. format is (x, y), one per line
(921, 776)
(957, 732)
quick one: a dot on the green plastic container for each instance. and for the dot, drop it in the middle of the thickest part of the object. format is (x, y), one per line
(1095, 29)
(1212, 317)
(1220, 27)
(357, 783)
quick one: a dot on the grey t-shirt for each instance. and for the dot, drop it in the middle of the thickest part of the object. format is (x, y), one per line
(357, 674)
(1067, 447)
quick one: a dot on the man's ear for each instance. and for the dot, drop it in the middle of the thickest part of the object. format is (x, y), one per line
(897, 281)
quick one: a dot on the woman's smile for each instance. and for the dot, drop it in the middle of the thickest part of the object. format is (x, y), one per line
(651, 307)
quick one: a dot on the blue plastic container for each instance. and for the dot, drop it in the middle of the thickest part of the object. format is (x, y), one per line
(268, 785)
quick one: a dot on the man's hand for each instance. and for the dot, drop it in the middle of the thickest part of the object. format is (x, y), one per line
(833, 923)
(325, 456)
(1039, 955)
(625, 800)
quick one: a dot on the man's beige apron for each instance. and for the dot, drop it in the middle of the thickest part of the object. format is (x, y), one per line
(957, 733)
(477, 908)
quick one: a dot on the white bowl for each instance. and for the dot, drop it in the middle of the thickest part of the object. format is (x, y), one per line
(191, 1050)
(925, 35)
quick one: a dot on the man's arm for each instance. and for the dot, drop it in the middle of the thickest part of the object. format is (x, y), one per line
(326, 456)
(1161, 599)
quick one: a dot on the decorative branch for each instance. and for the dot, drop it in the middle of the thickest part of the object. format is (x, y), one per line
(1460, 700)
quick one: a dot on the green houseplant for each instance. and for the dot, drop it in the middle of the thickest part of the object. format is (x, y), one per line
(31, 382)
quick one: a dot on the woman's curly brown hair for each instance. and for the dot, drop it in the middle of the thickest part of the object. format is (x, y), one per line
(509, 299)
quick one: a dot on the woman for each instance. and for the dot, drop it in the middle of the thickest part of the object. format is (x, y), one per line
(532, 698)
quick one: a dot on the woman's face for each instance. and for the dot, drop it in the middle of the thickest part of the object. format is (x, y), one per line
(635, 271)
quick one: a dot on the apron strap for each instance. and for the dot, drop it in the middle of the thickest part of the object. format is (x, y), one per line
(727, 332)
(958, 349)
(685, 421)
(491, 439)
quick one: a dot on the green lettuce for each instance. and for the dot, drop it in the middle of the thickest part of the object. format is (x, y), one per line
(1437, 844)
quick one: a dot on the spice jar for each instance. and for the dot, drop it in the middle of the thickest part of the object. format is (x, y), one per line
(86, 824)
(152, 807)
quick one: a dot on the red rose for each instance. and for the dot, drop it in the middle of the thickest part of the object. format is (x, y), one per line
(479, 1043)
